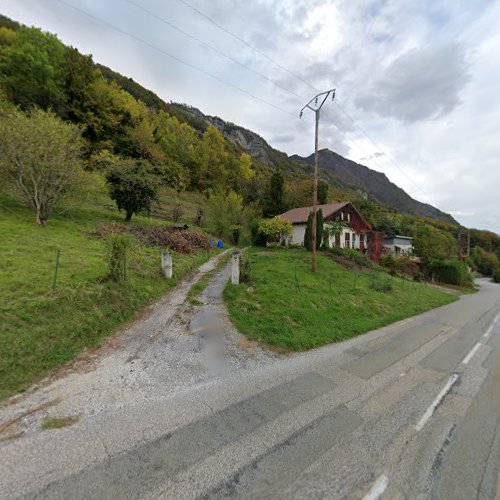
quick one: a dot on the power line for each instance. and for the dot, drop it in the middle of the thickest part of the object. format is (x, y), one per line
(303, 80)
(175, 58)
(211, 47)
(244, 42)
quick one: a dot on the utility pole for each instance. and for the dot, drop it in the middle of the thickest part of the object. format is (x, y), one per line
(315, 104)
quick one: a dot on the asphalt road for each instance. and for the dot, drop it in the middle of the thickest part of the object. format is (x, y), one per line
(408, 411)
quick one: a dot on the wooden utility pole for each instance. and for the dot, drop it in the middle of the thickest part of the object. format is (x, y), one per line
(315, 104)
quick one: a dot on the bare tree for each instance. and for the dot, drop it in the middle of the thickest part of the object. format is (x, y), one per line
(40, 159)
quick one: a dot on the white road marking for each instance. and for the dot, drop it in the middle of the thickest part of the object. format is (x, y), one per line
(490, 328)
(471, 353)
(432, 408)
(378, 488)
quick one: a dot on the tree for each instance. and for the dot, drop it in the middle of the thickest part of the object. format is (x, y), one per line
(31, 69)
(431, 244)
(275, 229)
(323, 187)
(40, 159)
(211, 159)
(308, 236)
(226, 212)
(132, 183)
(275, 203)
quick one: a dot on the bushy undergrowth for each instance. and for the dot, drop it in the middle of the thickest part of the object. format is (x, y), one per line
(351, 256)
(496, 275)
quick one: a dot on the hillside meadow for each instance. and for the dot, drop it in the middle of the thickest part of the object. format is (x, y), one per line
(40, 328)
(286, 306)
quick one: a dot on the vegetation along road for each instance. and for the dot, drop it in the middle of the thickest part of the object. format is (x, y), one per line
(407, 411)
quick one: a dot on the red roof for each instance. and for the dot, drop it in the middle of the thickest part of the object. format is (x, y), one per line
(300, 215)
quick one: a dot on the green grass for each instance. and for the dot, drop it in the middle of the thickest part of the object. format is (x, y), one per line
(202, 283)
(274, 311)
(41, 329)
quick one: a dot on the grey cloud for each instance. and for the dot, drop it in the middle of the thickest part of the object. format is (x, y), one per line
(420, 84)
(283, 138)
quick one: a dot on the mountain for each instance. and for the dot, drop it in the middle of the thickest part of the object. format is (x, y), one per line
(375, 184)
(64, 87)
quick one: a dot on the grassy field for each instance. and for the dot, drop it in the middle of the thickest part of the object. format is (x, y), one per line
(332, 305)
(41, 329)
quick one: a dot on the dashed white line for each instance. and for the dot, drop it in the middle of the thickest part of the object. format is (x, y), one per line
(473, 351)
(378, 488)
(432, 408)
(490, 328)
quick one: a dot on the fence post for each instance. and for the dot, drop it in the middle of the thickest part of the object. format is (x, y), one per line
(235, 269)
(166, 264)
(54, 283)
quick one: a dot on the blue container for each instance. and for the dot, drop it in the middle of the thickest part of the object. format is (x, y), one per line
(220, 244)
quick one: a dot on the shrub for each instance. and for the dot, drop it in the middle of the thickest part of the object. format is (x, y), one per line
(177, 213)
(380, 284)
(118, 244)
(245, 269)
(275, 229)
(496, 275)
(258, 239)
(451, 271)
(400, 266)
(351, 255)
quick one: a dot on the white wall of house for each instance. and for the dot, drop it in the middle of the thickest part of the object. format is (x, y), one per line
(352, 241)
(299, 231)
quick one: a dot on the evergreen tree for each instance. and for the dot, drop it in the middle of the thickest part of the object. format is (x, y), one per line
(308, 236)
(275, 199)
(322, 192)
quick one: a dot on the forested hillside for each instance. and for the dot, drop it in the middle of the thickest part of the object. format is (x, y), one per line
(138, 146)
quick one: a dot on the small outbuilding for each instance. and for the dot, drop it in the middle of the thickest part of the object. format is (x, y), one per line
(399, 245)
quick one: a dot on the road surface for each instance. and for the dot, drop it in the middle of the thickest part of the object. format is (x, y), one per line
(409, 411)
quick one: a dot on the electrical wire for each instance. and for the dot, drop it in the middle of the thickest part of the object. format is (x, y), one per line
(176, 58)
(303, 80)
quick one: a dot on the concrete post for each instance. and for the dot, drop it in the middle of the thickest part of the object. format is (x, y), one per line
(166, 264)
(235, 269)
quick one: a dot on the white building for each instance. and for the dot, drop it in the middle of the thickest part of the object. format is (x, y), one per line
(399, 245)
(353, 236)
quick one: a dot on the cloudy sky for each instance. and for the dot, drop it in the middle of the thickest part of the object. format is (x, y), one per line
(418, 92)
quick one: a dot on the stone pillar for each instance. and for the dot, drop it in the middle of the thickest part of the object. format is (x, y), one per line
(166, 264)
(235, 269)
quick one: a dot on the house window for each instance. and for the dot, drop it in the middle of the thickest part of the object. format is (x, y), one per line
(353, 240)
(348, 217)
(341, 215)
(347, 240)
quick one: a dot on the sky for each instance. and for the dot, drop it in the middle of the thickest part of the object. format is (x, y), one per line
(417, 81)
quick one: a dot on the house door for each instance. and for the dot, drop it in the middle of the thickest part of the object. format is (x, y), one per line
(347, 240)
(337, 240)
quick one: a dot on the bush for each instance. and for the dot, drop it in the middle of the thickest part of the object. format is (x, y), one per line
(496, 275)
(451, 271)
(351, 255)
(258, 239)
(275, 229)
(380, 284)
(245, 269)
(400, 266)
(177, 213)
(118, 244)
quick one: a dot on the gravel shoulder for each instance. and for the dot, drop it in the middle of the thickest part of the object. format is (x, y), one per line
(173, 346)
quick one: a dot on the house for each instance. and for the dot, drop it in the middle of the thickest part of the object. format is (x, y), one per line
(354, 235)
(399, 245)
